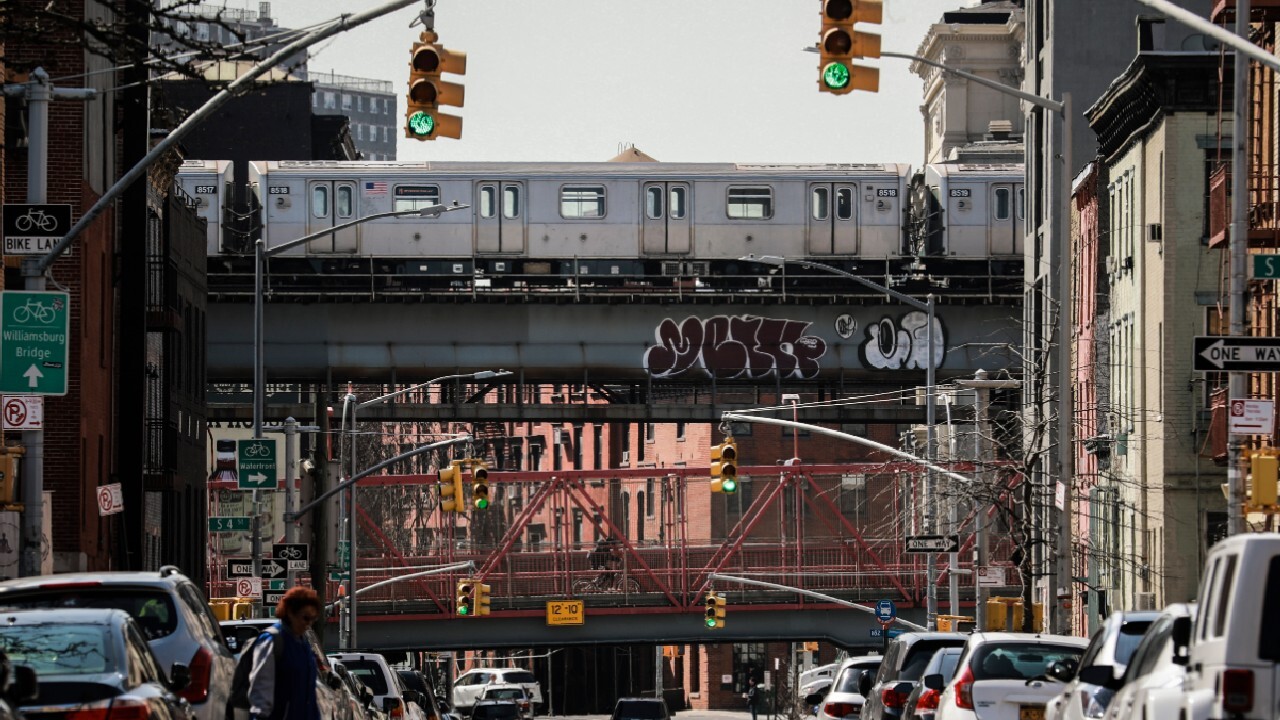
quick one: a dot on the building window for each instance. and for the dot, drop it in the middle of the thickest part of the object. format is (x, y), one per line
(330, 101)
(582, 201)
(750, 203)
(359, 103)
(346, 101)
(648, 498)
(680, 427)
(750, 660)
(650, 429)
(359, 132)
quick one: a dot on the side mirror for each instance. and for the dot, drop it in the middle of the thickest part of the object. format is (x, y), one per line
(179, 677)
(1103, 675)
(1180, 636)
(934, 682)
(24, 688)
(864, 685)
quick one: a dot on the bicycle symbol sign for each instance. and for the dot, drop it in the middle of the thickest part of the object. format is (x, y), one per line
(33, 342)
(34, 229)
(256, 468)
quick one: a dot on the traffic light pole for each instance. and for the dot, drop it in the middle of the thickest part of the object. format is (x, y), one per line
(809, 593)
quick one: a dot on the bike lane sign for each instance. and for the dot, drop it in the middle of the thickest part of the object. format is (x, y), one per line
(256, 467)
(33, 342)
(295, 554)
(34, 229)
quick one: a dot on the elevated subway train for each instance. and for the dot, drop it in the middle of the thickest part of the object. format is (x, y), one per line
(613, 224)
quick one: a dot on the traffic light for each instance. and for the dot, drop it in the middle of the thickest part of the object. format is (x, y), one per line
(479, 485)
(466, 598)
(724, 467)
(839, 43)
(482, 599)
(1265, 468)
(715, 604)
(451, 487)
(427, 91)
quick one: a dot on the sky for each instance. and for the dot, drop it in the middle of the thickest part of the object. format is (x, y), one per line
(681, 80)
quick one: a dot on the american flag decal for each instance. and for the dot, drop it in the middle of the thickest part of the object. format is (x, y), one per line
(376, 187)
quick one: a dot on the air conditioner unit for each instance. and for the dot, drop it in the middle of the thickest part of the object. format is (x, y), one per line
(1145, 601)
(625, 457)
(1127, 263)
(1111, 264)
(1155, 232)
(557, 436)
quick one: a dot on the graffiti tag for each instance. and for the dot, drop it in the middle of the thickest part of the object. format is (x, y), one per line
(735, 347)
(903, 345)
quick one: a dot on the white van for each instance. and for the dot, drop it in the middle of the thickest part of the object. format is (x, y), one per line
(389, 692)
(470, 685)
(1235, 643)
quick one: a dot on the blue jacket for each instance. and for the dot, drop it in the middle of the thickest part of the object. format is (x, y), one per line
(285, 690)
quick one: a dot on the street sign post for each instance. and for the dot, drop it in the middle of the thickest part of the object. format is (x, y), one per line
(1236, 353)
(228, 524)
(33, 342)
(256, 464)
(933, 544)
(34, 229)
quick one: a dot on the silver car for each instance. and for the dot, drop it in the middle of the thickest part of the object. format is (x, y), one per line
(170, 610)
(1112, 645)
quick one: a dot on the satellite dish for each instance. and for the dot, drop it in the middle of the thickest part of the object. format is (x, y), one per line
(1200, 41)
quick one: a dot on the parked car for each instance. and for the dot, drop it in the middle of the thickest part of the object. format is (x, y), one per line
(358, 691)
(170, 610)
(922, 703)
(92, 663)
(816, 683)
(1234, 659)
(330, 695)
(640, 709)
(470, 684)
(1006, 675)
(904, 662)
(514, 693)
(1152, 683)
(390, 694)
(845, 698)
(494, 710)
(1112, 645)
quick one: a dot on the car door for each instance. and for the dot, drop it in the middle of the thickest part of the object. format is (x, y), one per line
(833, 219)
(666, 227)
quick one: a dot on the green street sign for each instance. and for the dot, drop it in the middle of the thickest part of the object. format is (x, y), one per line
(276, 585)
(256, 469)
(1266, 267)
(344, 553)
(228, 524)
(33, 342)
(337, 576)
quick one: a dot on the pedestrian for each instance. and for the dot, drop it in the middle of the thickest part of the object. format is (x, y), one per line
(282, 685)
(753, 697)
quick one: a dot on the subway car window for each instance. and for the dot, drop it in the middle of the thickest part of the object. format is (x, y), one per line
(416, 197)
(677, 203)
(1002, 203)
(582, 201)
(844, 203)
(488, 203)
(820, 203)
(320, 201)
(653, 203)
(511, 201)
(345, 201)
(750, 203)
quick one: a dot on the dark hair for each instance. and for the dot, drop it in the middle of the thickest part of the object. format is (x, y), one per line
(296, 599)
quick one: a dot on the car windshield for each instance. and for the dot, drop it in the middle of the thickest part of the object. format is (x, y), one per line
(518, 677)
(58, 649)
(501, 711)
(1127, 641)
(635, 710)
(152, 609)
(504, 694)
(370, 673)
(849, 679)
(1019, 661)
(946, 665)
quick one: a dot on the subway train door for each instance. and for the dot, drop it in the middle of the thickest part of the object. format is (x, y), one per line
(330, 203)
(833, 222)
(1005, 226)
(665, 224)
(499, 214)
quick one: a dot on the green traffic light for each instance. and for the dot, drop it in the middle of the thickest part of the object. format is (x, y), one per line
(835, 76)
(729, 485)
(422, 123)
(464, 610)
(711, 622)
(482, 503)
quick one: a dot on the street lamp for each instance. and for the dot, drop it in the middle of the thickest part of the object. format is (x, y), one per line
(261, 253)
(927, 307)
(349, 403)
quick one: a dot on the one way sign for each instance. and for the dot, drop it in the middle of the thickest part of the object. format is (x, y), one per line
(1238, 353)
(933, 544)
(239, 567)
(273, 569)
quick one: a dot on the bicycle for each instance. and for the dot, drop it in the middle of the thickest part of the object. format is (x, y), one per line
(257, 450)
(34, 310)
(608, 581)
(291, 554)
(38, 219)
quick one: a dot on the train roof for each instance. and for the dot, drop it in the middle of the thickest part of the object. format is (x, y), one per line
(594, 169)
(976, 171)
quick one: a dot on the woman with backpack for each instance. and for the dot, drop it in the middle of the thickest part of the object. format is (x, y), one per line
(282, 683)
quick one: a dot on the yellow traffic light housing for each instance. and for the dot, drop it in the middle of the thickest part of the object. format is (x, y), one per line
(427, 91)
(482, 599)
(713, 618)
(479, 485)
(724, 467)
(839, 43)
(1265, 467)
(451, 487)
(466, 600)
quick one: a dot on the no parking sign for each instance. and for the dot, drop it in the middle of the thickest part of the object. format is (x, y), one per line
(23, 412)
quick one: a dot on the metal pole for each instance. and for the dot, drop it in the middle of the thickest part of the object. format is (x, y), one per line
(1061, 620)
(259, 398)
(809, 593)
(351, 535)
(1239, 243)
(931, 595)
(290, 474)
